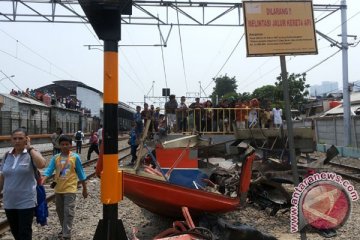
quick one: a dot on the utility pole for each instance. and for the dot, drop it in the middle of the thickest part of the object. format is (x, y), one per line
(346, 90)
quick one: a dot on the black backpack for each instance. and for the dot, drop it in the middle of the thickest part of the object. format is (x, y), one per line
(78, 136)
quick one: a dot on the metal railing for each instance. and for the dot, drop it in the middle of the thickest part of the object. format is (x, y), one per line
(218, 120)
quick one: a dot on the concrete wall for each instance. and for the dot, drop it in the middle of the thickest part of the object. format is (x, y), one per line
(15, 114)
(66, 119)
(330, 130)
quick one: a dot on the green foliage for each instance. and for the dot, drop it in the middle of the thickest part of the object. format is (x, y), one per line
(297, 89)
(268, 92)
(233, 95)
(224, 85)
(245, 96)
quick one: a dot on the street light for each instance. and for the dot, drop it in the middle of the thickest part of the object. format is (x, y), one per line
(4, 79)
(7, 77)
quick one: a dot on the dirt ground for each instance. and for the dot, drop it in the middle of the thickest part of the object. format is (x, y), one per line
(89, 211)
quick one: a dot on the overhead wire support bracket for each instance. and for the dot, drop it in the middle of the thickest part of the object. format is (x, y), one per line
(329, 39)
(162, 36)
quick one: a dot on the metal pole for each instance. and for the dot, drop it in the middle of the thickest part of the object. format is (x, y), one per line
(153, 88)
(200, 90)
(346, 90)
(289, 128)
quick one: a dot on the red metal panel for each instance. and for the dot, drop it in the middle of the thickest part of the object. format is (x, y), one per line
(166, 158)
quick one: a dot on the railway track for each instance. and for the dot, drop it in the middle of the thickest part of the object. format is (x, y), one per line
(50, 195)
(346, 171)
(84, 145)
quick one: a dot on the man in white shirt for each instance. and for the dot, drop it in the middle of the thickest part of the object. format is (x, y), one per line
(100, 135)
(277, 115)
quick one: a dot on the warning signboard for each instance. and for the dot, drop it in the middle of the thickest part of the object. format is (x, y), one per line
(279, 28)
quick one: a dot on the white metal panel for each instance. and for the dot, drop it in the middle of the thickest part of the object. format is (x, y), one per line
(90, 100)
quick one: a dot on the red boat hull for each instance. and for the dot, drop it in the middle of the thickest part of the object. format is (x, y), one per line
(166, 199)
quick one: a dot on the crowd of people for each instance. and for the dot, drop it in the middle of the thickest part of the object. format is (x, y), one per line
(205, 117)
(51, 99)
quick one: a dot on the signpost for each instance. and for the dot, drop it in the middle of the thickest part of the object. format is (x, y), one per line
(280, 28)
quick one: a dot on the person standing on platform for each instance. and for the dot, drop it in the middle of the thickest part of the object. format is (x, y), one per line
(18, 184)
(170, 108)
(79, 137)
(100, 134)
(196, 113)
(94, 145)
(68, 169)
(156, 117)
(138, 121)
(182, 115)
(134, 143)
(146, 115)
(55, 140)
(277, 115)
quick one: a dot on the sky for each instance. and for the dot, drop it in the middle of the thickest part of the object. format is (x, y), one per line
(39, 53)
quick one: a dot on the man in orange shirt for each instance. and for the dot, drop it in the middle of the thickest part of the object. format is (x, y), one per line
(241, 114)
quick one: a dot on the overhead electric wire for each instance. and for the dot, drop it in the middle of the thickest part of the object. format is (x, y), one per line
(259, 67)
(85, 23)
(181, 48)
(237, 44)
(37, 54)
(97, 39)
(126, 73)
(163, 60)
(139, 56)
(217, 55)
(133, 70)
(30, 64)
(322, 61)
(357, 13)
(8, 77)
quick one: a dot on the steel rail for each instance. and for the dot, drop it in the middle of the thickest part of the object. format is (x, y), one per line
(354, 175)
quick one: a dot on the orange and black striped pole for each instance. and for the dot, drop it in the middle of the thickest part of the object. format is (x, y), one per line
(111, 178)
(105, 18)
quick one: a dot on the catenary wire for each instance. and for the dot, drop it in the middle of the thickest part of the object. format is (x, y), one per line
(36, 53)
(322, 61)
(181, 48)
(163, 60)
(97, 39)
(30, 64)
(217, 55)
(237, 44)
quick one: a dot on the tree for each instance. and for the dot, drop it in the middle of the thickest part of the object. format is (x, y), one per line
(245, 96)
(224, 85)
(297, 89)
(268, 92)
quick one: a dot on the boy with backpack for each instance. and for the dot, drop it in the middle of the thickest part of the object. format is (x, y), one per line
(79, 136)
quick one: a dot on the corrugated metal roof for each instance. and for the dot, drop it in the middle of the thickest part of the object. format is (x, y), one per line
(24, 100)
(355, 97)
(339, 110)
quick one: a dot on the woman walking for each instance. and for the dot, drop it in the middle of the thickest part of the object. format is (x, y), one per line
(17, 180)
